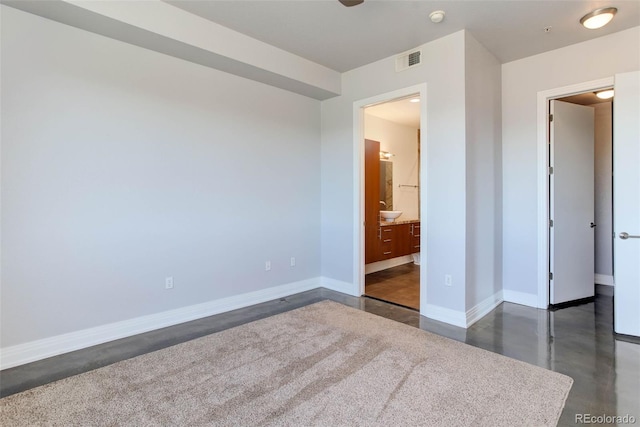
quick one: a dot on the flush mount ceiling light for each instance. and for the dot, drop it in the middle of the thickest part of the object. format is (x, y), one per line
(350, 3)
(414, 100)
(605, 94)
(436, 16)
(598, 18)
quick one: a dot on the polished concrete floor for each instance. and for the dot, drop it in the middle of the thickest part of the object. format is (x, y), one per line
(398, 285)
(576, 341)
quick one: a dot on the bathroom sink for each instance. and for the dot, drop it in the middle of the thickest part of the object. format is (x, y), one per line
(390, 216)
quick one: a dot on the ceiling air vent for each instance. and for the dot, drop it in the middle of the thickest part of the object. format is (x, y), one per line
(408, 60)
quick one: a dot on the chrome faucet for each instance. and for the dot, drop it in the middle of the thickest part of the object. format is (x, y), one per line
(383, 203)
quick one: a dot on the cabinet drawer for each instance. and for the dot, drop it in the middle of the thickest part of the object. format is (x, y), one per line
(386, 250)
(414, 242)
(387, 237)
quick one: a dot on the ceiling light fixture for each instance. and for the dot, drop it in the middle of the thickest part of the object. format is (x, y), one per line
(414, 100)
(598, 18)
(605, 94)
(436, 16)
(350, 3)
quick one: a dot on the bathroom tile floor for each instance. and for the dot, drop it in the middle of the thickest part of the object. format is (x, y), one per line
(398, 285)
(576, 341)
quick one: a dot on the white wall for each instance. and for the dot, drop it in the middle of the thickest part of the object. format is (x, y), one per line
(484, 179)
(603, 189)
(121, 166)
(402, 142)
(443, 166)
(521, 81)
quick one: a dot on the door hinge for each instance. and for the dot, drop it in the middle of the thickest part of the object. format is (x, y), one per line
(550, 170)
(550, 117)
(550, 223)
(550, 276)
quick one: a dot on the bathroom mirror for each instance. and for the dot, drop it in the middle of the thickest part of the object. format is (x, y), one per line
(386, 185)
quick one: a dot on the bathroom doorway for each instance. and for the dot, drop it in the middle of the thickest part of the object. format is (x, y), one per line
(392, 201)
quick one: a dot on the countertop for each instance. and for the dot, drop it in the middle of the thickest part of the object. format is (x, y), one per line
(396, 222)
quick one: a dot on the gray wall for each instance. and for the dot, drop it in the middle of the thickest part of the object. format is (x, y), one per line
(483, 173)
(521, 81)
(461, 145)
(121, 166)
(443, 148)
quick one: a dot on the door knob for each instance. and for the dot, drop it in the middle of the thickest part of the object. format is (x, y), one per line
(592, 225)
(624, 236)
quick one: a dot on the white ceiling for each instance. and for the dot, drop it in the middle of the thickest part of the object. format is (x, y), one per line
(341, 38)
(587, 98)
(400, 111)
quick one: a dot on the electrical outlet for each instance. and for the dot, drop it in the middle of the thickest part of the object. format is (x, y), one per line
(447, 279)
(267, 266)
(168, 282)
(293, 261)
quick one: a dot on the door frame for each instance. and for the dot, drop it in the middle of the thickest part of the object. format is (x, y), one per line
(543, 167)
(358, 180)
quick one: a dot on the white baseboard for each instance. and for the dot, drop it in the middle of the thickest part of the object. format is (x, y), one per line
(483, 308)
(446, 315)
(340, 286)
(460, 318)
(41, 349)
(522, 298)
(387, 263)
(604, 279)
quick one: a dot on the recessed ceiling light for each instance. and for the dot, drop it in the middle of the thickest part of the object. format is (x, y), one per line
(414, 100)
(436, 16)
(598, 18)
(605, 94)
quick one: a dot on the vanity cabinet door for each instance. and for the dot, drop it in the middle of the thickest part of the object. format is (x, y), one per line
(371, 244)
(403, 240)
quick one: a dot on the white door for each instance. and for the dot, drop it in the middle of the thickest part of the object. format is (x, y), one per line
(572, 202)
(626, 203)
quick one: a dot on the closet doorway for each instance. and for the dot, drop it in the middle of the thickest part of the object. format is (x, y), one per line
(581, 196)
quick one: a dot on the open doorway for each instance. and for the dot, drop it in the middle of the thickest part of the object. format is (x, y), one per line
(580, 196)
(626, 187)
(392, 201)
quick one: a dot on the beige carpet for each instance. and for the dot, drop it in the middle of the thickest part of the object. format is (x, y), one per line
(324, 365)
